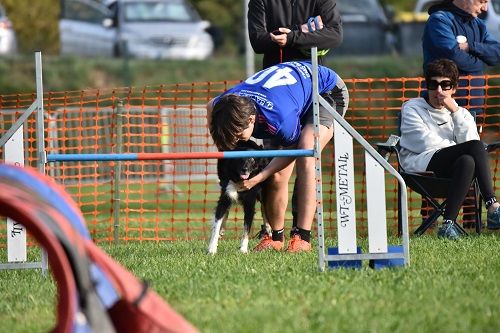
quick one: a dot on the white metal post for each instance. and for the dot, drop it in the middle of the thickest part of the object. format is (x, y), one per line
(13, 135)
(16, 232)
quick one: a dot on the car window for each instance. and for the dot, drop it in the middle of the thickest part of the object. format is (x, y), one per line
(496, 5)
(424, 8)
(158, 11)
(358, 7)
(84, 11)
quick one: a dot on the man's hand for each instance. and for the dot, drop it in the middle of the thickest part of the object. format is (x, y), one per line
(305, 28)
(279, 36)
(464, 46)
(247, 184)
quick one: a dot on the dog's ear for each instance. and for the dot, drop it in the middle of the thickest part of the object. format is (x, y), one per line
(222, 167)
(250, 144)
(262, 162)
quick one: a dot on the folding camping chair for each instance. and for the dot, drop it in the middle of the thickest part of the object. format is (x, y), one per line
(433, 189)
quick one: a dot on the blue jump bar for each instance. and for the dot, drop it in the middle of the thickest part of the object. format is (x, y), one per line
(179, 156)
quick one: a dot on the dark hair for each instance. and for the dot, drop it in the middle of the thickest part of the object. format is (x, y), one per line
(442, 68)
(230, 116)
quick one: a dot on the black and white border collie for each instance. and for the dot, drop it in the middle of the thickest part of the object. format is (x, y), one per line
(231, 171)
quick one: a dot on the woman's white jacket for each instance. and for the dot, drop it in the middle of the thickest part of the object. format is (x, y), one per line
(425, 130)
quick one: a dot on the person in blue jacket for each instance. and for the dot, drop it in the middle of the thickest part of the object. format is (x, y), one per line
(276, 104)
(454, 31)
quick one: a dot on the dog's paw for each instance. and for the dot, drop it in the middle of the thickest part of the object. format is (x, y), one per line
(212, 247)
(244, 244)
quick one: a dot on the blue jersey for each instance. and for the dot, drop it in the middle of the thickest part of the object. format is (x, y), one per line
(282, 94)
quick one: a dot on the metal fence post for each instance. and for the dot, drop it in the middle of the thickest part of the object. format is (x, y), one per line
(119, 113)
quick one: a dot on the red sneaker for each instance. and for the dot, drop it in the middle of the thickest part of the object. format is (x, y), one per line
(267, 243)
(296, 244)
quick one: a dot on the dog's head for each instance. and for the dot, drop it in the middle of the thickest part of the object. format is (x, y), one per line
(239, 169)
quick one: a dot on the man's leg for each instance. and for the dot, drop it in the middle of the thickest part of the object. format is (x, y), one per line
(306, 188)
(276, 197)
(275, 202)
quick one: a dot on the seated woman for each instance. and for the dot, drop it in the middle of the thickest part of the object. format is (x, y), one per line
(437, 135)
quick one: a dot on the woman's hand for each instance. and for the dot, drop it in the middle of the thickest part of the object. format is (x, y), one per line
(448, 102)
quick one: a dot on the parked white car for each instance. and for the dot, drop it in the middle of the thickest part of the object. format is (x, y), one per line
(8, 42)
(491, 17)
(137, 28)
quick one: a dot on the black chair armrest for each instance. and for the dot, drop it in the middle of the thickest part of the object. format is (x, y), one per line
(492, 146)
(424, 173)
(388, 147)
(382, 148)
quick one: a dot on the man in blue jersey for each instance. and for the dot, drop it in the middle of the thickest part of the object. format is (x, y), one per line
(276, 104)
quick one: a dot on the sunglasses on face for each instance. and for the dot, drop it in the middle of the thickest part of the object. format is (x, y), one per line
(445, 85)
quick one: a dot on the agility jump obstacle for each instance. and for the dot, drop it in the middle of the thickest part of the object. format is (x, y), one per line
(347, 254)
(13, 144)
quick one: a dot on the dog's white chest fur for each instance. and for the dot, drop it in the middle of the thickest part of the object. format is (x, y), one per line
(231, 191)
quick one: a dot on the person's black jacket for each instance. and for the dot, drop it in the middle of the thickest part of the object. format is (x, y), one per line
(265, 16)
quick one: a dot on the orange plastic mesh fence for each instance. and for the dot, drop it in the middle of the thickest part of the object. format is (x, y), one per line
(170, 200)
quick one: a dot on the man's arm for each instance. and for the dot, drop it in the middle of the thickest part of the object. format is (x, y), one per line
(330, 36)
(276, 164)
(488, 50)
(439, 40)
(257, 29)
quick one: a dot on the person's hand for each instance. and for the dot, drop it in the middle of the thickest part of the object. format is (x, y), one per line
(247, 184)
(305, 28)
(279, 36)
(464, 46)
(448, 102)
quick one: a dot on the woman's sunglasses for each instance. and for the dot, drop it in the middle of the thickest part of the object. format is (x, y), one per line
(445, 84)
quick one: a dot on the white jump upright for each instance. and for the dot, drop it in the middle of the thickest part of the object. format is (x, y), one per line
(348, 253)
(13, 143)
(345, 190)
(16, 232)
(377, 220)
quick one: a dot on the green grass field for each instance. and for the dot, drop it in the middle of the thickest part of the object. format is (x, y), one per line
(450, 286)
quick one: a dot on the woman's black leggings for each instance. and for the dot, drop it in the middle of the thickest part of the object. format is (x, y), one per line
(462, 163)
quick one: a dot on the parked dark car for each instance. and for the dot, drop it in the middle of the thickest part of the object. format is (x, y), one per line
(367, 29)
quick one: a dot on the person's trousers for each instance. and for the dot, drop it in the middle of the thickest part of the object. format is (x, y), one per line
(463, 162)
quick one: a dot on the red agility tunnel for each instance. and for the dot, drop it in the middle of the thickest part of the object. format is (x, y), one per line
(122, 303)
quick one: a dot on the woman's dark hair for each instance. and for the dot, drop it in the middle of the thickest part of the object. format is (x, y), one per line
(442, 68)
(230, 116)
